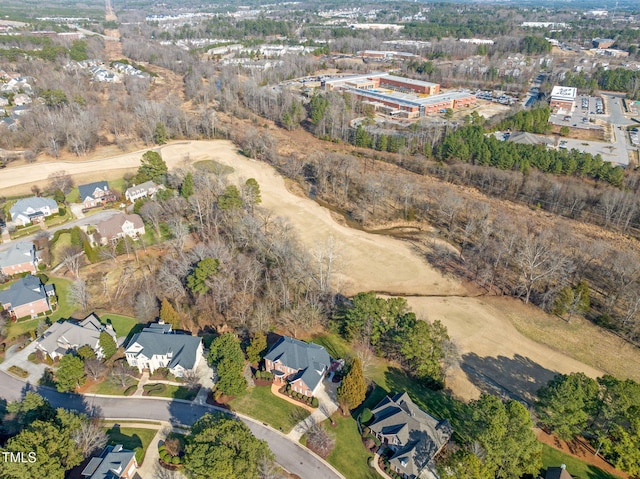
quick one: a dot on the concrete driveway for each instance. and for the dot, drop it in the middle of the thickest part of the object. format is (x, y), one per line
(20, 359)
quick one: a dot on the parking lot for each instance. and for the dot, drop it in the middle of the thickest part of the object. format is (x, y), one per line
(587, 108)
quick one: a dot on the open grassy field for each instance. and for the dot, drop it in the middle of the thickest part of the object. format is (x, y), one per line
(134, 439)
(578, 469)
(261, 404)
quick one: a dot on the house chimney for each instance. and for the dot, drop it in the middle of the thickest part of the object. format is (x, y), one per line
(563, 466)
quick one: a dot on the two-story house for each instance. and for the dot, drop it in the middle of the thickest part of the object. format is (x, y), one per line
(27, 297)
(20, 257)
(414, 436)
(301, 364)
(119, 226)
(64, 337)
(114, 463)
(157, 346)
(32, 210)
(95, 194)
(143, 190)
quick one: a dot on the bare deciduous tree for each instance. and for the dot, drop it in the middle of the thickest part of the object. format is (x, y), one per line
(79, 294)
(90, 436)
(60, 180)
(94, 367)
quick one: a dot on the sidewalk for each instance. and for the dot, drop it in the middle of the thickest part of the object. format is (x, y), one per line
(144, 379)
(327, 406)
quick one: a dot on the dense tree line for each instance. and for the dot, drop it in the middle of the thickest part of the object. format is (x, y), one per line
(618, 79)
(606, 411)
(393, 331)
(470, 144)
(532, 121)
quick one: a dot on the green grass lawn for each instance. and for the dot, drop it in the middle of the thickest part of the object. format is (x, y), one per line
(64, 241)
(74, 196)
(110, 388)
(578, 469)
(122, 324)
(170, 391)
(134, 439)
(119, 185)
(261, 404)
(349, 456)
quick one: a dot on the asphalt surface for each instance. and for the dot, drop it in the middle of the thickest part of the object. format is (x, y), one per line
(87, 220)
(291, 456)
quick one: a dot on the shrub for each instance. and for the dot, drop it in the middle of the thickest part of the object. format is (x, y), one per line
(130, 390)
(42, 267)
(62, 211)
(161, 449)
(175, 460)
(366, 416)
(314, 402)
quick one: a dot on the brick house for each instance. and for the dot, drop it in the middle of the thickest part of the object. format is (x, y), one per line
(19, 258)
(301, 364)
(95, 194)
(114, 463)
(27, 297)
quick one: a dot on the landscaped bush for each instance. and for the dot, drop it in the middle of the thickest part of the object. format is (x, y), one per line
(130, 390)
(175, 460)
(314, 402)
(366, 416)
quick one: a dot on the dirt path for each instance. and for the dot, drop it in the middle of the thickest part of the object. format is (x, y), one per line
(493, 353)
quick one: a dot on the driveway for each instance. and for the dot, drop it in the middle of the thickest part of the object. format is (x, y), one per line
(290, 455)
(327, 405)
(20, 359)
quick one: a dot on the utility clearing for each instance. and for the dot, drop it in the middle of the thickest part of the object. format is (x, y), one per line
(494, 355)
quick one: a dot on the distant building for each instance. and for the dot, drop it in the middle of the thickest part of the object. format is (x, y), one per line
(563, 99)
(603, 42)
(477, 41)
(543, 24)
(114, 463)
(32, 210)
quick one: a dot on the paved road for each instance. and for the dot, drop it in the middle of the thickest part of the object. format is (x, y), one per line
(87, 220)
(292, 456)
(616, 113)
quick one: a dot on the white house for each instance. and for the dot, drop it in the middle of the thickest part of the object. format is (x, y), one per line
(119, 226)
(156, 346)
(143, 190)
(32, 210)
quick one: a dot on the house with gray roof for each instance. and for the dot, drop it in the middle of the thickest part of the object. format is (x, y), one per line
(301, 364)
(64, 337)
(20, 257)
(119, 226)
(32, 210)
(27, 297)
(157, 346)
(114, 463)
(414, 436)
(557, 473)
(143, 190)
(95, 194)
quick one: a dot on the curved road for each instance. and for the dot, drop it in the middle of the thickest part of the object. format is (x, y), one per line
(292, 456)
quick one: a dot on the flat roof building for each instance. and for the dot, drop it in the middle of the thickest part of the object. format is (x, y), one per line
(563, 99)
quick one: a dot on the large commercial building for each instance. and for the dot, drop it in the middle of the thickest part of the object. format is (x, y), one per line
(399, 96)
(563, 99)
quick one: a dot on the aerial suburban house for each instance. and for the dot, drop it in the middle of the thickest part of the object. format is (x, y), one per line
(119, 226)
(414, 436)
(27, 297)
(143, 190)
(32, 210)
(301, 364)
(157, 346)
(557, 473)
(19, 258)
(95, 194)
(62, 338)
(114, 463)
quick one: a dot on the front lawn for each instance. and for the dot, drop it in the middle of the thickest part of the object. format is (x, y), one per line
(170, 391)
(110, 388)
(349, 456)
(121, 324)
(259, 403)
(134, 439)
(579, 469)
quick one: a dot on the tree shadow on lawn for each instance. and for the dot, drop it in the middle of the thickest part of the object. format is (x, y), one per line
(516, 378)
(116, 436)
